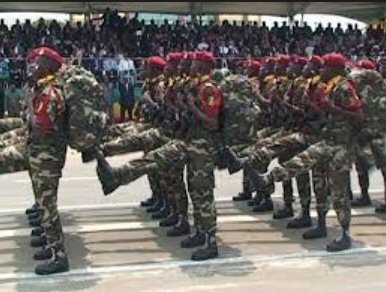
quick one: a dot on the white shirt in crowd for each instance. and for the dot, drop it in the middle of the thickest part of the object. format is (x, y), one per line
(202, 46)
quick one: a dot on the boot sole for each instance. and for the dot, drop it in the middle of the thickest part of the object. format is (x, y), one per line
(204, 259)
(43, 273)
(338, 250)
(186, 232)
(300, 226)
(281, 217)
(316, 237)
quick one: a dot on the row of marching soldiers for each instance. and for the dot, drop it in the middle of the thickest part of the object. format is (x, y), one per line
(315, 115)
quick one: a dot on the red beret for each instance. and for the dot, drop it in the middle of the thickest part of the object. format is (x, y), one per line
(294, 58)
(302, 61)
(334, 60)
(253, 64)
(243, 63)
(32, 55)
(205, 57)
(156, 62)
(270, 61)
(174, 57)
(188, 55)
(283, 60)
(47, 52)
(367, 64)
(316, 60)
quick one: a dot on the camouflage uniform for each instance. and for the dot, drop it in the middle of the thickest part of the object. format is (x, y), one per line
(370, 148)
(336, 149)
(197, 152)
(9, 124)
(13, 158)
(46, 151)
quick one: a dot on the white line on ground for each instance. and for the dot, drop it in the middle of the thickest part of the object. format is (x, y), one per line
(139, 225)
(290, 260)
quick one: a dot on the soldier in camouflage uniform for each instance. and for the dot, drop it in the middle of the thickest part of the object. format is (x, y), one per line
(165, 186)
(46, 150)
(337, 148)
(287, 93)
(375, 150)
(252, 71)
(371, 147)
(150, 138)
(197, 151)
(262, 201)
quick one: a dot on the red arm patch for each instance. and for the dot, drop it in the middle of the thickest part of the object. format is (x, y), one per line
(211, 100)
(48, 109)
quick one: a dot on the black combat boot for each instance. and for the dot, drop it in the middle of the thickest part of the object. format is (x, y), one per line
(181, 228)
(234, 163)
(255, 200)
(362, 201)
(242, 197)
(148, 203)
(263, 183)
(171, 220)
(37, 231)
(194, 240)
(341, 243)
(39, 241)
(265, 205)
(53, 266)
(158, 205)
(32, 209)
(36, 222)
(88, 155)
(284, 213)
(163, 212)
(381, 209)
(35, 215)
(301, 221)
(108, 176)
(320, 231)
(208, 251)
(44, 253)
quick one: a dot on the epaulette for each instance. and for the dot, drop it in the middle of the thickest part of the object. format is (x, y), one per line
(332, 84)
(46, 80)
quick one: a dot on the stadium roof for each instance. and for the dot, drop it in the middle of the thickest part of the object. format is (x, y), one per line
(364, 11)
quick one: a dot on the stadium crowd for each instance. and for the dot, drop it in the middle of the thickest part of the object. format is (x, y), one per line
(112, 46)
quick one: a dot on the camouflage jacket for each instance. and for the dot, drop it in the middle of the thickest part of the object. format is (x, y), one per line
(47, 109)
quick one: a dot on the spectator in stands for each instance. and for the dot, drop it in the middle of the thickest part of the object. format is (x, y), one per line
(127, 99)
(14, 97)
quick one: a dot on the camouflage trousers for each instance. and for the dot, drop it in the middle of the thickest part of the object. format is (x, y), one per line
(46, 163)
(199, 156)
(134, 140)
(9, 124)
(13, 158)
(284, 145)
(13, 134)
(366, 155)
(260, 139)
(338, 158)
(117, 130)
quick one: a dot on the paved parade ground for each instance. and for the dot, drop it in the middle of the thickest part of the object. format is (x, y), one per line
(114, 246)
